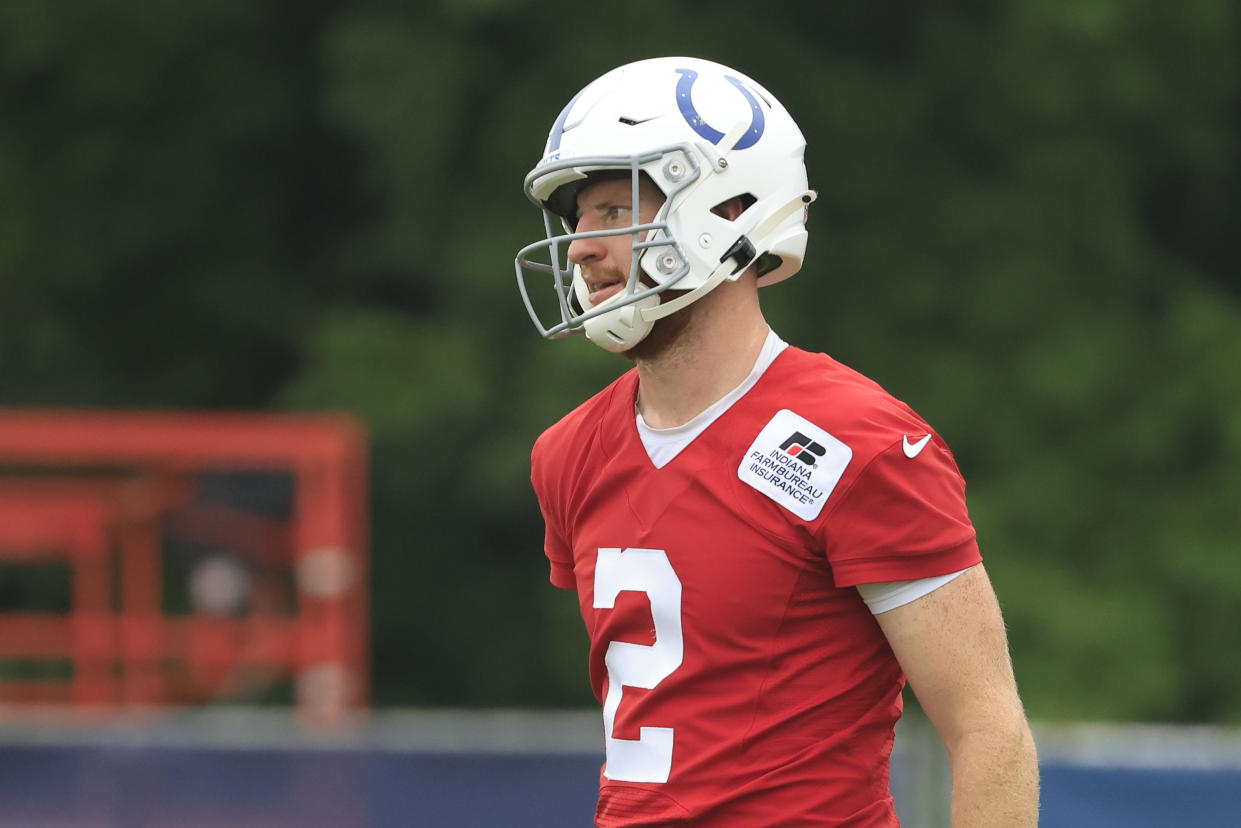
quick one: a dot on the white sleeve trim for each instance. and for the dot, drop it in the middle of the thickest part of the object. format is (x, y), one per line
(892, 594)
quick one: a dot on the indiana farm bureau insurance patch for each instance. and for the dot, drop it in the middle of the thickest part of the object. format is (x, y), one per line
(795, 463)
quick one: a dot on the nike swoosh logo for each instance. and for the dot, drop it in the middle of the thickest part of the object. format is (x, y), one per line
(912, 450)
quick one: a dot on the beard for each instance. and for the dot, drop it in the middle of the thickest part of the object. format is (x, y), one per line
(666, 334)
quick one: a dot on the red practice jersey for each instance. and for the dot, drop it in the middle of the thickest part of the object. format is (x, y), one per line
(743, 680)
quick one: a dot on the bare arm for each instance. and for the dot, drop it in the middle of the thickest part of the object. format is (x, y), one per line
(952, 646)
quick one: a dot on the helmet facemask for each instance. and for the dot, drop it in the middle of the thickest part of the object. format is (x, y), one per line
(658, 261)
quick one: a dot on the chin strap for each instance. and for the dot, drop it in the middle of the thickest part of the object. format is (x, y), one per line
(740, 256)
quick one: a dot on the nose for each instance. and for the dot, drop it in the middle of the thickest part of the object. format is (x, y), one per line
(587, 250)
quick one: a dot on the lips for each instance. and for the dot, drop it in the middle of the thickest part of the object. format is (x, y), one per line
(602, 287)
(603, 292)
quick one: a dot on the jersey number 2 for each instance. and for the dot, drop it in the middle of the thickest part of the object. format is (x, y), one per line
(648, 758)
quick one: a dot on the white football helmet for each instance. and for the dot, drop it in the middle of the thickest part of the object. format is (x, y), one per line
(704, 134)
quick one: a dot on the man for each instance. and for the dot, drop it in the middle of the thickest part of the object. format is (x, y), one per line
(764, 543)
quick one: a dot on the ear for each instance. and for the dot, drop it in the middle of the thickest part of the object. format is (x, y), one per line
(731, 208)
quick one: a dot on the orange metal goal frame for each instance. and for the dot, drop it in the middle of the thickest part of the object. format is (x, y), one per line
(116, 635)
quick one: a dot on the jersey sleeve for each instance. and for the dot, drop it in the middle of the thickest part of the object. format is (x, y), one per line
(556, 544)
(902, 518)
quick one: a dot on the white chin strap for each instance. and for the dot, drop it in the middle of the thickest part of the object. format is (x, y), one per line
(622, 328)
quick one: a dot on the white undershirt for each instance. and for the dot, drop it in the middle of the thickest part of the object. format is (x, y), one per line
(664, 444)
(892, 594)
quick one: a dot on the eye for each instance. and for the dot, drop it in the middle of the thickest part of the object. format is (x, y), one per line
(616, 213)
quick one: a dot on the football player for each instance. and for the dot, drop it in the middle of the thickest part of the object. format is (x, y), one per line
(764, 543)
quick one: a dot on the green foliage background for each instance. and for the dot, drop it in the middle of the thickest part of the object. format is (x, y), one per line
(1023, 231)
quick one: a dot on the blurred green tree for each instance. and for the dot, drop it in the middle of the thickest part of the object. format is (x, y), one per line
(1025, 229)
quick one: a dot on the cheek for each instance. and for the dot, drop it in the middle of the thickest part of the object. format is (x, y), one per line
(620, 248)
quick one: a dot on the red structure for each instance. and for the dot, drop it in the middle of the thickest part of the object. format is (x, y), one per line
(210, 557)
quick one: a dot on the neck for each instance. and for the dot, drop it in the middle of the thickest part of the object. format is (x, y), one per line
(694, 357)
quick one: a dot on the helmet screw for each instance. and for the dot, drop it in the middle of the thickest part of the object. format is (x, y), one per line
(674, 170)
(722, 163)
(668, 263)
(704, 241)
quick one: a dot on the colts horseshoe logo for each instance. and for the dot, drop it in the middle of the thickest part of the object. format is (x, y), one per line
(757, 122)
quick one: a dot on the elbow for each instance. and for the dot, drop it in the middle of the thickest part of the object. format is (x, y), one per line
(1002, 737)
